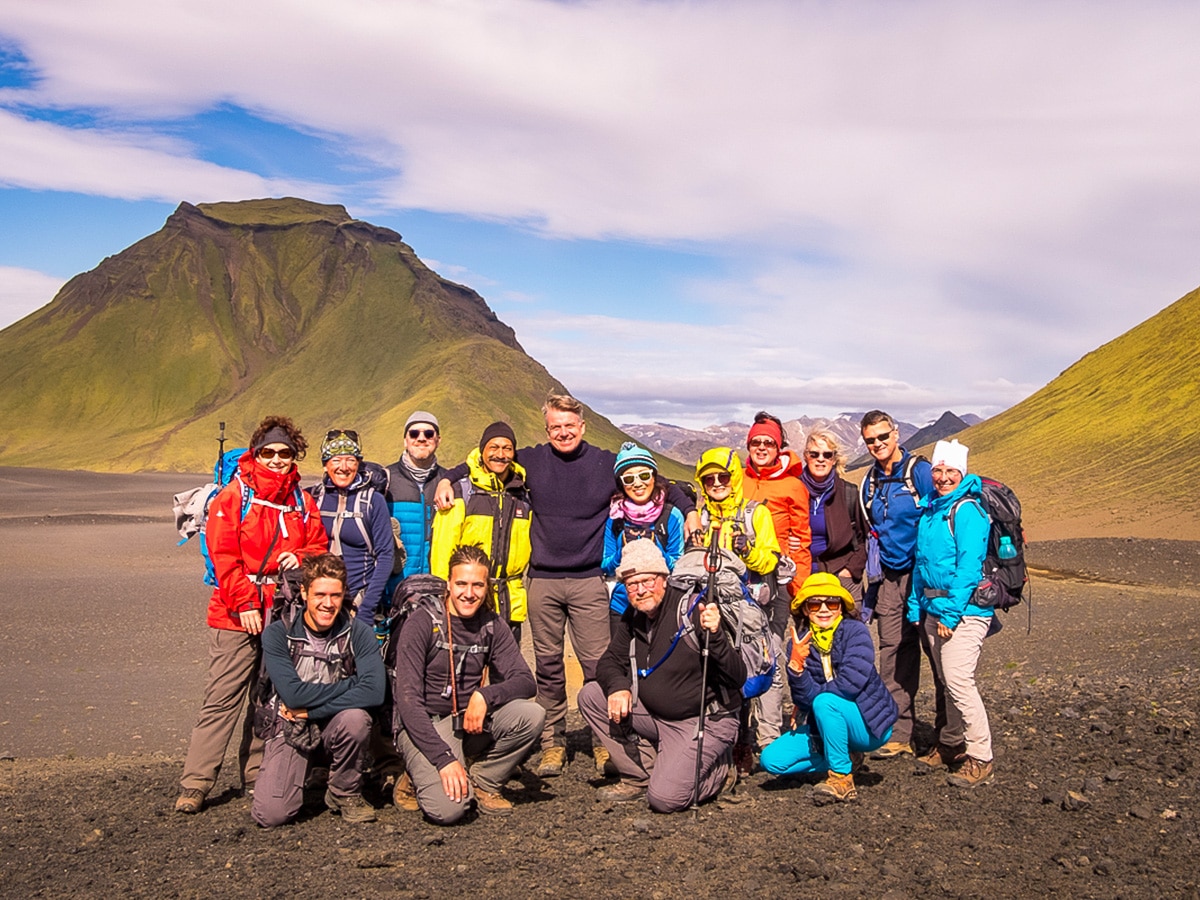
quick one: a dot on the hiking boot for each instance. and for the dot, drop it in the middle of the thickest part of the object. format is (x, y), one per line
(621, 792)
(856, 761)
(744, 760)
(491, 804)
(940, 757)
(404, 795)
(973, 773)
(892, 749)
(352, 808)
(554, 762)
(190, 801)
(603, 760)
(835, 789)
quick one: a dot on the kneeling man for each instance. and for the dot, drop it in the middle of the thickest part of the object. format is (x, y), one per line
(446, 711)
(327, 674)
(650, 724)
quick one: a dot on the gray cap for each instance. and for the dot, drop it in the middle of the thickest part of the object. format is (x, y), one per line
(641, 557)
(421, 416)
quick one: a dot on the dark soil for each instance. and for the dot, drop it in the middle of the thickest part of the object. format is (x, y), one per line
(1093, 717)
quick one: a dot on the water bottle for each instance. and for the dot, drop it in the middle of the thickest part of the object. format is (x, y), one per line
(1006, 550)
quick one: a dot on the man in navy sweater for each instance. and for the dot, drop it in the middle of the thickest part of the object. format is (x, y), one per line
(570, 485)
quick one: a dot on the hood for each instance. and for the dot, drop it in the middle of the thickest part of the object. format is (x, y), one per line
(788, 465)
(721, 458)
(970, 486)
(266, 483)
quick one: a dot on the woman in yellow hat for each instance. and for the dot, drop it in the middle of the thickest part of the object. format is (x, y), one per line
(832, 676)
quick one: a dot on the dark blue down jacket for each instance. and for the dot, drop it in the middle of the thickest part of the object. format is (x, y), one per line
(854, 678)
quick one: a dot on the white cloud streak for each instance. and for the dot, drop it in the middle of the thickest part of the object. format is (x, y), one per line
(23, 291)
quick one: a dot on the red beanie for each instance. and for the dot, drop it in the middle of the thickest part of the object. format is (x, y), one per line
(765, 429)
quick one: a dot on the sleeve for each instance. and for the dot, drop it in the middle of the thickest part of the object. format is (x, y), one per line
(799, 527)
(675, 541)
(366, 685)
(803, 686)
(916, 584)
(225, 550)
(970, 548)
(680, 499)
(612, 670)
(296, 693)
(410, 691)
(857, 563)
(447, 530)
(379, 525)
(458, 473)
(763, 555)
(612, 548)
(855, 663)
(316, 541)
(515, 681)
(730, 668)
(922, 476)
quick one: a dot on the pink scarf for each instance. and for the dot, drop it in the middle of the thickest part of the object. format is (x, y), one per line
(622, 507)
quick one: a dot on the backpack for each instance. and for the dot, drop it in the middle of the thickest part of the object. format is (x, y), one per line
(376, 482)
(1004, 571)
(745, 621)
(625, 531)
(761, 587)
(426, 594)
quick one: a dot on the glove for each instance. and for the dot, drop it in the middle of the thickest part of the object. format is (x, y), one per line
(740, 544)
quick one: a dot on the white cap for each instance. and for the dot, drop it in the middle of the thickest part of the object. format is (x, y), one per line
(951, 454)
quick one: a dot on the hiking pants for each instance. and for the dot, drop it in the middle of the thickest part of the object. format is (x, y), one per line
(557, 604)
(660, 754)
(842, 731)
(900, 646)
(233, 663)
(956, 660)
(766, 710)
(279, 791)
(514, 729)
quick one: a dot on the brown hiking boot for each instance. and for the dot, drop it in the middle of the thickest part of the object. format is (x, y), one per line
(621, 792)
(404, 795)
(553, 763)
(892, 749)
(856, 761)
(835, 789)
(491, 804)
(973, 773)
(940, 757)
(603, 760)
(352, 808)
(190, 801)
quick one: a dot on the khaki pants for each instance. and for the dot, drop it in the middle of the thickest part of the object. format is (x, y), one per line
(956, 660)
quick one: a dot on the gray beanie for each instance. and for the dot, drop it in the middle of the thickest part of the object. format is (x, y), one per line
(641, 557)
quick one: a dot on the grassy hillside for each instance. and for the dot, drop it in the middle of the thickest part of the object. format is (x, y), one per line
(236, 310)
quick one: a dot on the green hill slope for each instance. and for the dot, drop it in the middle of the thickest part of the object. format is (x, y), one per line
(236, 310)
(1108, 449)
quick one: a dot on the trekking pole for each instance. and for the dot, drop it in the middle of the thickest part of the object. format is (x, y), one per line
(221, 454)
(712, 562)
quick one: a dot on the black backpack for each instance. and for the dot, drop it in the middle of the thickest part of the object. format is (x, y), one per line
(1005, 574)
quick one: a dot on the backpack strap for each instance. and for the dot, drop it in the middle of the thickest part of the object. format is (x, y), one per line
(683, 627)
(954, 510)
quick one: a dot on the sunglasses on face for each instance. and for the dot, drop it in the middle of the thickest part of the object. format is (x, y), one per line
(821, 454)
(341, 432)
(270, 453)
(631, 478)
(715, 479)
(816, 603)
(640, 587)
(417, 433)
(762, 442)
(880, 438)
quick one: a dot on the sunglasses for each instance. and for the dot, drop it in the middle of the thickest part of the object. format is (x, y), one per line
(762, 442)
(879, 438)
(418, 433)
(641, 587)
(817, 602)
(714, 479)
(271, 453)
(632, 478)
(340, 432)
(821, 454)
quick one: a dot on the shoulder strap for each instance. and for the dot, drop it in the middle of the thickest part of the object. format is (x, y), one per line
(909, 465)
(960, 502)
(748, 515)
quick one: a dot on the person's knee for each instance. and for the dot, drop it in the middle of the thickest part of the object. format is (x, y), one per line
(445, 813)
(356, 724)
(667, 801)
(271, 815)
(824, 705)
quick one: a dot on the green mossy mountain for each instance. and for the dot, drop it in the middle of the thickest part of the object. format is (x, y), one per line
(238, 310)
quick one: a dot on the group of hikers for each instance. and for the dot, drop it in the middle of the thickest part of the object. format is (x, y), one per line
(371, 624)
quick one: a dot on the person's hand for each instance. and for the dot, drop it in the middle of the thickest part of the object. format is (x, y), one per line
(794, 544)
(800, 647)
(945, 633)
(454, 781)
(477, 709)
(710, 617)
(251, 621)
(292, 714)
(443, 494)
(691, 527)
(844, 574)
(740, 544)
(288, 560)
(619, 705)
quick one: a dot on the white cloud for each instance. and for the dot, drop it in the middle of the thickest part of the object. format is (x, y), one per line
(23, 291)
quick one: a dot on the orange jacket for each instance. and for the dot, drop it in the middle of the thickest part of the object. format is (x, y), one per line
(237, 543)
(780, 489)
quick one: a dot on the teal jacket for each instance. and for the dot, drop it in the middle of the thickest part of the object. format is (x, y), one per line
(949, 564)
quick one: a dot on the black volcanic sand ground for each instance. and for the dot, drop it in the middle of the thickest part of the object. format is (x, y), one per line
(1093, 717)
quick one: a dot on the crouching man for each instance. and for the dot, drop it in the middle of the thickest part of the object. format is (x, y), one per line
(326, 673)
(447, 713)
(650, 724)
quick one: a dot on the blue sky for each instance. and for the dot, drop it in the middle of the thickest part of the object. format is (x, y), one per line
(686, 210)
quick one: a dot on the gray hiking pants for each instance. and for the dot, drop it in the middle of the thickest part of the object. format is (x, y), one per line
(514, 729)
(660, 754)
(279, 791)
(900, 646)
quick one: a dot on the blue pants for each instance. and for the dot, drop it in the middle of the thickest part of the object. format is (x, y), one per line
(842, 730)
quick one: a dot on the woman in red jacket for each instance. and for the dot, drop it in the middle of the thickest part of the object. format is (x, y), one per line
(260, 524)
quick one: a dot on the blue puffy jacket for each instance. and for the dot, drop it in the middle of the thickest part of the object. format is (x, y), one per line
(950, 564)
(411, 505)
(854, 677)
(894, 510)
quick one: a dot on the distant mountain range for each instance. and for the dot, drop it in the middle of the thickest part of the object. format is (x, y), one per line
(687, 444)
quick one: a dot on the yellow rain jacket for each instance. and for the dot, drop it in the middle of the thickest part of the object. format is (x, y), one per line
(495, 515)
(729, 516)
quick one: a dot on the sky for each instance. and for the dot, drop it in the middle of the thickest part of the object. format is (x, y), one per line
(688, 210)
